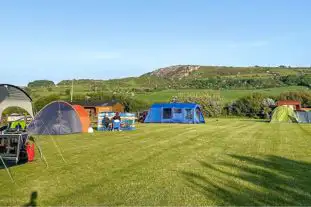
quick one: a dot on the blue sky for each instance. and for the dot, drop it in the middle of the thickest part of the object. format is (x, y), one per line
(65, 39)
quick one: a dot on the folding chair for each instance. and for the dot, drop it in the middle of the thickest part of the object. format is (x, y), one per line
(116, 125)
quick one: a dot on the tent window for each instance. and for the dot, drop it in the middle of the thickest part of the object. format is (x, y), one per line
(188, 114)
(177, 111)
(167, 113)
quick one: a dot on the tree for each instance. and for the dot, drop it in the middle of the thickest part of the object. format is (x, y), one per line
(67, 92)
(27, 90)
(254, 105)
(43, 101)
(41, 83)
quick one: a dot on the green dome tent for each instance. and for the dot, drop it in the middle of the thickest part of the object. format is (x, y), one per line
(284, 114)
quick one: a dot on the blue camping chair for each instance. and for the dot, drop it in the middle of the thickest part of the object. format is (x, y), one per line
(116, 125)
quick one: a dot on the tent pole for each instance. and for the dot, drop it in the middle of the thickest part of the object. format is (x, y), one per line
(71, 91)
(41, 154)
(7, 169)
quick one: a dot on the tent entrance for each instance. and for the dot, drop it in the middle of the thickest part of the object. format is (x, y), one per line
(167, 113)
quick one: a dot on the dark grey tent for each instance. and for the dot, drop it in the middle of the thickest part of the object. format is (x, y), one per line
(57, 118)
(13, 96)
(304, 116)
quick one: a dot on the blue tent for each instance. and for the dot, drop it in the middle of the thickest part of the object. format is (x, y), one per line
(189, 113)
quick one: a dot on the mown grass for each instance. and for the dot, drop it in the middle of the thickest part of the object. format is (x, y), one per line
(223, 162)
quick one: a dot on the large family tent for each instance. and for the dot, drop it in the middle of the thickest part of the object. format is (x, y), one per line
(303, 116)
(284, 114)
(13, 96)
(189, 113)
(59, 118)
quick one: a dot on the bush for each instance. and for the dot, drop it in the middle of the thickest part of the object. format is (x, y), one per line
(131, 104)
(303, 96)
(67, 92)
(212, 104)
(43, 101)
(255, 105)
(41, 83)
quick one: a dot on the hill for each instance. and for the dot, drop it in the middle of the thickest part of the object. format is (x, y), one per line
(179, 76)
(167, 81)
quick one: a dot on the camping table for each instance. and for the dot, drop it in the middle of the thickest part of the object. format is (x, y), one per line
(11, 146)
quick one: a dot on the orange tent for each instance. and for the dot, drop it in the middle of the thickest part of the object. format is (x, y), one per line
(84, 117)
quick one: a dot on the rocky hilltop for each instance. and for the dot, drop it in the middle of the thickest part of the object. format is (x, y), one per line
(174, 72)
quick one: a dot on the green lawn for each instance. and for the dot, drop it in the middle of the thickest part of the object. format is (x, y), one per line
(224, 162)
(228, 95)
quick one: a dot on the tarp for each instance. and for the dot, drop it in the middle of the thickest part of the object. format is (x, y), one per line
(284, 114)
(189, 113)
(303, 116)
(57, 118)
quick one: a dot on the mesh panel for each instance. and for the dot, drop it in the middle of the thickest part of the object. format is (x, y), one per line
(12, 93)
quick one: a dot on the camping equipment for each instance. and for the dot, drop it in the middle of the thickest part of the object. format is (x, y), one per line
(284, 114)
(188, 113)
(127, 121)
(59, 118)
(13, 96)
(13, 146)
(303, 116)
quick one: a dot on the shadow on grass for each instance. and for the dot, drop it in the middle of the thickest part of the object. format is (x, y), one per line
(12, 164)
(256, 120)
(269, 180)
(33, 200)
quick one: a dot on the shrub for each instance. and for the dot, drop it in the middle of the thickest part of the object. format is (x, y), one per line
(43, 101)
(131, 104)
(67, 92)
(212, 104)
(255, 105)
(303, 96)
(41, 83)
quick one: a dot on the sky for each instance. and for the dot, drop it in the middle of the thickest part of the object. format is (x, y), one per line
(101, 39)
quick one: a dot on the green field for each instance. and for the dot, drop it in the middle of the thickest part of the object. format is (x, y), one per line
(223, 162)
(228, 95)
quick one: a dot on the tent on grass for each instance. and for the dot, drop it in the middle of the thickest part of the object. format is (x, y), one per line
(59, 118)
(188, 113)
(13, 96)
(284, 114)
(303, 116)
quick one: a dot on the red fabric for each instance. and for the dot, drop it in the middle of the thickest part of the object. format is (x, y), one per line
(30, 152)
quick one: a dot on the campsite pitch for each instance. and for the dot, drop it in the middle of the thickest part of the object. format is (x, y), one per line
(224, 162)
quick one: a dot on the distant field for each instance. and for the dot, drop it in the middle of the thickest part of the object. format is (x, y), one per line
(228, 95)
(166, 95)
(223, 162)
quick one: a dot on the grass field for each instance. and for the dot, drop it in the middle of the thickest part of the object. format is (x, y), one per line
(228, 95)
(223, 162)
(166, 95)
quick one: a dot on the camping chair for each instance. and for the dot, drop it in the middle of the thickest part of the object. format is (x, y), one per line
(116, 125)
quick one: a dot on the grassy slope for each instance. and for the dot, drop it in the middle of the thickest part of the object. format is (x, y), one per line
(225, 162)
(166, 95)
(228, 95)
